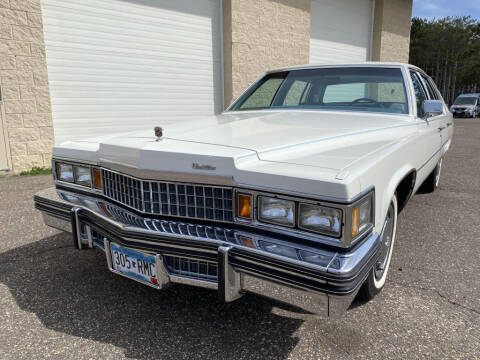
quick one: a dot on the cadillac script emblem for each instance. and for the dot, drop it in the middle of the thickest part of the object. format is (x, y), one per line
(198, 166)
(158, 132)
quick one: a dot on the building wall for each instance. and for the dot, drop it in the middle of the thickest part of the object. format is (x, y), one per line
(257, 35)
(25, 112)
(391, 30)
(260, 35)
(252, 43)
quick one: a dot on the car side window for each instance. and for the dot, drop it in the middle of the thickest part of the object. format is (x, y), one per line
(431, 91)
(296, 93)
(420, 94)
(262, 97)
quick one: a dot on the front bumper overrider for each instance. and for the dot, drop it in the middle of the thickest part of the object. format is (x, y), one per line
(326, 286)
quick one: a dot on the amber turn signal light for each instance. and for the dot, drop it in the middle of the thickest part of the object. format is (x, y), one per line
(246, 241)
(244, 202)
(97, 179)
(355, 222)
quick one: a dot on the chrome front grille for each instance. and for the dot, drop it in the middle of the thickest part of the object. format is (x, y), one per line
(191, 268)
(192, 201)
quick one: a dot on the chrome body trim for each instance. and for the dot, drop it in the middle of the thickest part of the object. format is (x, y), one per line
(310, 301)
(55, 222)
(428, 160)
(193, 282)
(327, 200)
(240, 268)
(230, 281)
(76, 210)
(108, 254)
(162, 274)
(89, 236)
(74, 161)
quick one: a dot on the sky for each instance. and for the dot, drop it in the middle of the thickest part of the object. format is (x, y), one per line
(442, 8)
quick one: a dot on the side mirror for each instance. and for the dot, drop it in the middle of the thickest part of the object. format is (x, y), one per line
(433, 107)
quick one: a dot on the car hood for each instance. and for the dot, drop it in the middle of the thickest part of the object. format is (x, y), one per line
(327, 139)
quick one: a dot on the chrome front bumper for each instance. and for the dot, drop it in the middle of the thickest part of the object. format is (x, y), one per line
(326, 286)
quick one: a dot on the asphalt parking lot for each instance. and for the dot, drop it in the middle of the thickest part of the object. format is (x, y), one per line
(60, 303)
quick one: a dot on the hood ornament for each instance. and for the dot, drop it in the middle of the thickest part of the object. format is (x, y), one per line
(158, 132)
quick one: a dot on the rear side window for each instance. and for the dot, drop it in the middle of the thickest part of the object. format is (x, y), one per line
(296, 93)
(420, 95)
(431, 91)
(262, 97)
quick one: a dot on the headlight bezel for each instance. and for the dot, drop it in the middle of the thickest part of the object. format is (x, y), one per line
(343, 239)
(56, 163)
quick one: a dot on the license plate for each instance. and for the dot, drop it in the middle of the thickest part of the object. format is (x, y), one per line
(134, 264)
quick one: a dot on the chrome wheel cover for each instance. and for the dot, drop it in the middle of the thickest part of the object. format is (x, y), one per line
(437, 172)
(386, 244)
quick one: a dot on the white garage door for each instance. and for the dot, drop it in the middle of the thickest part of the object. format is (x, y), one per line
(341, 31)
(117, 65)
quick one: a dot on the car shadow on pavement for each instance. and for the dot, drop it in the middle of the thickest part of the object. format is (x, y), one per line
(72, 291)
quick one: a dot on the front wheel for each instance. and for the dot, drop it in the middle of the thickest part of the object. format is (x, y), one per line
(377, 276)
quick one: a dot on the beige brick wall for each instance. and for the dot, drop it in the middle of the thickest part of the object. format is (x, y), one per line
(26, 109)
(260, 35)
(391, 30)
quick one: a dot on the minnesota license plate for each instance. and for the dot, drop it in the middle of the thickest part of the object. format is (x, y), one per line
(134, 264)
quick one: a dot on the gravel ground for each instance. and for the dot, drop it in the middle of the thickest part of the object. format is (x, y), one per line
(59, 303)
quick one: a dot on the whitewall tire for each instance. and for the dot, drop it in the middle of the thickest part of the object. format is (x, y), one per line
(378, 275)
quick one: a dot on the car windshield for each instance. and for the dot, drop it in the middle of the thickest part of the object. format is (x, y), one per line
(465, 100)
(367, 89)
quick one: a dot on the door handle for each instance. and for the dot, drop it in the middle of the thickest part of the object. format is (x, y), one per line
(441, 128)
(449, 124)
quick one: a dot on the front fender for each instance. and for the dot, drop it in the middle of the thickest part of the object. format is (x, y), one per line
(386, 176)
